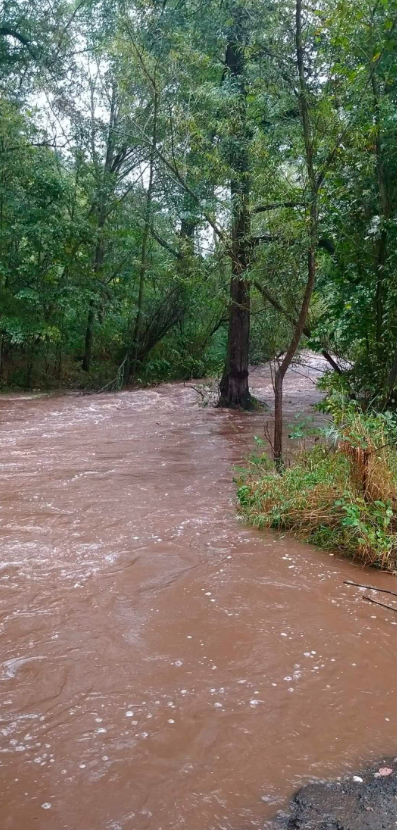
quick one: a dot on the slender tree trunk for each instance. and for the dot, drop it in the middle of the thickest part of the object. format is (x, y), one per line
(234, 389)
(379, 297)
(99, 257)
(102, 196)
(145, 241)
(29, 368)
(89, 337)
(289, 355)
(278, 419)
(392, 377)
(5, 360)
(184, 264)
(141, 290)
(59, 362)
(312, 249)
(384, 211)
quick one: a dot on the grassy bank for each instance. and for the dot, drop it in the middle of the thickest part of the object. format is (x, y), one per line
(341, 494)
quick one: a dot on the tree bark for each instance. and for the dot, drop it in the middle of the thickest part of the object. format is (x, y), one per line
(234, 389)
(278, 420)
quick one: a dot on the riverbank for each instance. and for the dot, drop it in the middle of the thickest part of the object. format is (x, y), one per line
(364, 801)
(340, 493)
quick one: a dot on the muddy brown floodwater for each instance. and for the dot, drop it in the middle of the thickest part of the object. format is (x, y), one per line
(162, 665)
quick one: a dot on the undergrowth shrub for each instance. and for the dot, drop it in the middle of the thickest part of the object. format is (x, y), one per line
(341, 494)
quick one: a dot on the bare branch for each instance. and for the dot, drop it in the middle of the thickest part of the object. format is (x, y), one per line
(382, 604)
(370, 587)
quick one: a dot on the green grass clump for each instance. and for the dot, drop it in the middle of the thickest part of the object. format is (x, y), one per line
(342, 497)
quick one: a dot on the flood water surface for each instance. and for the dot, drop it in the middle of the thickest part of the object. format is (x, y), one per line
(162, 665)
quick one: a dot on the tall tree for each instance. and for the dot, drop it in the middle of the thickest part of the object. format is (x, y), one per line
(234, 390)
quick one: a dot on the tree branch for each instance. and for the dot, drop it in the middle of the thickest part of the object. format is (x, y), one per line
(182, 181)
(164, 244)
(275, 206)
(6, 31)
(291, 319)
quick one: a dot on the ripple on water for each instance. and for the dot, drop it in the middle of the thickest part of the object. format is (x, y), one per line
(162, 665)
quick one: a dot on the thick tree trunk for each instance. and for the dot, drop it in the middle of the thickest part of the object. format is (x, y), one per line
(234, 389)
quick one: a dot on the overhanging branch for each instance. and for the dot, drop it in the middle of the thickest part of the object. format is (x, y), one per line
(291, 319)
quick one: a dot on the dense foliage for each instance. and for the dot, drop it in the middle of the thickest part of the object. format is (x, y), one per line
(165, 167)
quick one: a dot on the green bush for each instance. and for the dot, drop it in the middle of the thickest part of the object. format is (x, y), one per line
(340, 495)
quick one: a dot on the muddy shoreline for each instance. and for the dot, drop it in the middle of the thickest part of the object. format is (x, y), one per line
(366, 800)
